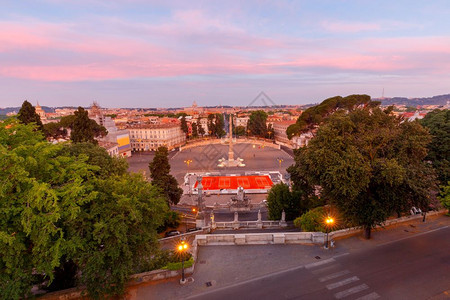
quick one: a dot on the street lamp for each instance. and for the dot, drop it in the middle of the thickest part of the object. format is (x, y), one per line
(329, 221)
(188, 162)
(182, 248)
(279, 161)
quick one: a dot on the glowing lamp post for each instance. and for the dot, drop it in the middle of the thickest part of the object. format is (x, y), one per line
(182, 248)
(280, 160)
(188, 162)
(329, 221)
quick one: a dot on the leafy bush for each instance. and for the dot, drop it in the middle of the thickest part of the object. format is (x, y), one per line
(312, 221)
(172, 219)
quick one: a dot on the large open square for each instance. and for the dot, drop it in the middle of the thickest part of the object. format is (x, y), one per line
(206, 159)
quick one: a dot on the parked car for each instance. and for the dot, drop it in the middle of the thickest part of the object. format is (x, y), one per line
(193, 229)
(172, 233)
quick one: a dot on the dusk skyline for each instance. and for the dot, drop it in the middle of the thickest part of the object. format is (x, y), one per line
(169, 54)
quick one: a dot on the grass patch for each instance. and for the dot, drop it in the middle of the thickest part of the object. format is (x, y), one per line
(177, 265)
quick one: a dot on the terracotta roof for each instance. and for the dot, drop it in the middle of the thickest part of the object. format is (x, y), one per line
(154, 126)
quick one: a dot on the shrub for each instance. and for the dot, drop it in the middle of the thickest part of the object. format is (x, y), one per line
(312, 220)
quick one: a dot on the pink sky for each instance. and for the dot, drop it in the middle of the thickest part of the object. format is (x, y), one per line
(193, 49)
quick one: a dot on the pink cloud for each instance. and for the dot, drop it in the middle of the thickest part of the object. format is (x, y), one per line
(195, 44)
(349, 27)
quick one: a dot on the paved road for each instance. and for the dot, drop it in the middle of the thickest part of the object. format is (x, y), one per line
(417, 267)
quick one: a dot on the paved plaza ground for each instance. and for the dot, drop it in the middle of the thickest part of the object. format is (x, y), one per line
(205, 159)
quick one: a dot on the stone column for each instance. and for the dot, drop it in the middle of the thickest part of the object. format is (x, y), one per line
(213, 222)
(230, 150)
(259, 223)
(236, 220)
(283, 219)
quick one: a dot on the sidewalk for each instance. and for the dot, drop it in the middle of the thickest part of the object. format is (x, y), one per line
(219, 266)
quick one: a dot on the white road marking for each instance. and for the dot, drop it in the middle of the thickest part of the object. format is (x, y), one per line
(351, 291)
(334, 275)
(342, 282)
(319, 263)
(371, 296)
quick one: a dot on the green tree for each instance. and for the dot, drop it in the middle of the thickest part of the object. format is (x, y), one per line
(211, 125)
(160, 174)
(445, 197)
(39, 189)
(98, 156)
(270, 132)
(219, 124)
(216, 125)
(85, 129)
(240, 131)
(55, 130)
(279, 199)
(257, 123)
(184, 126)
(194, 130)
(312, 221)
(201, 130)
(117, 233)
(27, 114)
(438, 123)
(314, 116)
(369, 164)
(56, 210)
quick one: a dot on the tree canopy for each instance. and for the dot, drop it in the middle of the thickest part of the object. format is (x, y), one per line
(438, 123)
(85, 129)
(257, 123)
(194, 129)
(160, 174)
(215, 125)
(368, 163)
(314, 116)
(27, 114)
(184, 126)
(60, 205)
(280, 198)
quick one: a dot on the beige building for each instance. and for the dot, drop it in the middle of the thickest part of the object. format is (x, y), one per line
(280, 135)
(111, 148)
(149, 137)
(241, 121)
(41, 113)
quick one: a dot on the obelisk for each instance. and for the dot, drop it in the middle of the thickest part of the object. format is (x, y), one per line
(230, 149)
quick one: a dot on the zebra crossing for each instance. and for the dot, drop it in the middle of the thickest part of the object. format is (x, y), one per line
(342, 283)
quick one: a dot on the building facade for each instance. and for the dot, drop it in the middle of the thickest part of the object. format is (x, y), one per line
(149, 137)
(241, 121)
(280, 135)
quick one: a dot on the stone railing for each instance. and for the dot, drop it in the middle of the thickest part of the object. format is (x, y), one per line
(204, 142)
(354, 230)
(236, 224)
(260, 238)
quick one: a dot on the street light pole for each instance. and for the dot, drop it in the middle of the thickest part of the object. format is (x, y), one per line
(182, 247)
(188, 162)
(329, 222)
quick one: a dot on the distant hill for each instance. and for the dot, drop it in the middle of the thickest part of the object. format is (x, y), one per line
(4, 111)
(436, 100)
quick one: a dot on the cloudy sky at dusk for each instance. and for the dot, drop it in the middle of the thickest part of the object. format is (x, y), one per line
(141, 53)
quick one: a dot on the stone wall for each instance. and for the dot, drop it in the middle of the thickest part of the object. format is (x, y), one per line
(261, 238)
(206, 142)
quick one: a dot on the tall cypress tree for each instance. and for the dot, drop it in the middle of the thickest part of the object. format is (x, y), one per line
(85, 129)
(27, 114)
(160, 174)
